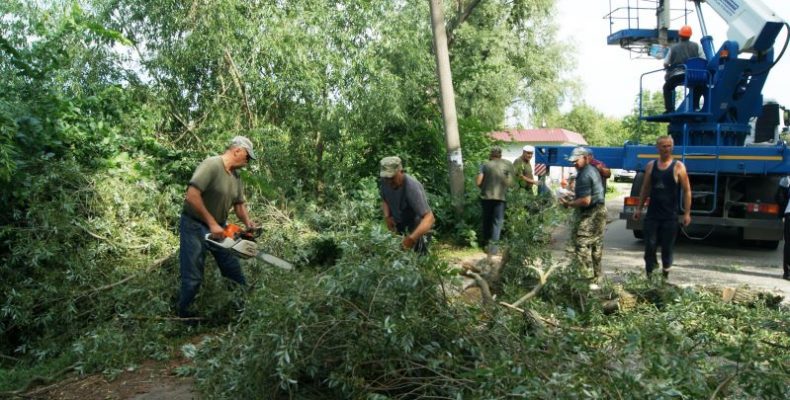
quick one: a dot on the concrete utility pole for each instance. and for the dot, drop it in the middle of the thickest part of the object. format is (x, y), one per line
(453, 143)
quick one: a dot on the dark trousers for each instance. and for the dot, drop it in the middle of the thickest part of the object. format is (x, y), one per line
(786, 255)
(192, 259)
(493, 220)
(669, 92)
(662, 233)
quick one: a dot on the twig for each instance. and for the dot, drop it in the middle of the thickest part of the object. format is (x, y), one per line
(104, 239)
(5, 357)
(39, 380)
(775, 344)
(544, 276)
(722, 385)
(234, 71)
(485, 291)
(158, 318)
(150, 268)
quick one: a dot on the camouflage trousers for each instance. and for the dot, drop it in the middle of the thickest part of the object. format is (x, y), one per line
(587, 240)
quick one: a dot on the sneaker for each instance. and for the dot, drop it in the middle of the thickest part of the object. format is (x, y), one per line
(665, 273)
(594, 286)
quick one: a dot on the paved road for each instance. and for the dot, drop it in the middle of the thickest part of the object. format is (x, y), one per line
(718, 260)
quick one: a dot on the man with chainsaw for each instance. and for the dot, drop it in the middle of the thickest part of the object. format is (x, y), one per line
(405, 205)
(214, 189)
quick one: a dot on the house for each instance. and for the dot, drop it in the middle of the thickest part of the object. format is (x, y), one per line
(514, 139)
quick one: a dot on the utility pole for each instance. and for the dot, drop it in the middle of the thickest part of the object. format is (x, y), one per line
(452, 141)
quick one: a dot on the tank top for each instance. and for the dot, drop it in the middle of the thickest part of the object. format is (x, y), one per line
(664, 193)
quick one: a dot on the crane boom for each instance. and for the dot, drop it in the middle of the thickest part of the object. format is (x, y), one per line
(750, 22)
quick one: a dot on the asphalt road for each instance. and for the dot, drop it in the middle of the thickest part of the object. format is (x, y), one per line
(718, 260)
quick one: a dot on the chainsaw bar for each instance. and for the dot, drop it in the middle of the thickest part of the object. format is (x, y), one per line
(275, 261)
(248, 249)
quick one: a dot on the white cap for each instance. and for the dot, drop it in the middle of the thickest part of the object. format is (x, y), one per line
(528, 149)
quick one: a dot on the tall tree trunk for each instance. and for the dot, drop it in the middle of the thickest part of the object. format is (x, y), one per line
(453, 143)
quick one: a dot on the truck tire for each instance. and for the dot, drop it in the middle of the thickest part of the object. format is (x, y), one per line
(636, 186)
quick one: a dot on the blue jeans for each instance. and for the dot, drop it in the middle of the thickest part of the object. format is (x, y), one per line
(192, 259)
(659, 233)
(493, 219)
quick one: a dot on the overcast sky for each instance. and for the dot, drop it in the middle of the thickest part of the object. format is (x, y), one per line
(611, 76)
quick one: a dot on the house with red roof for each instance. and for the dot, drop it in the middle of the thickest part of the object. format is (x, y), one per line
(514, 139)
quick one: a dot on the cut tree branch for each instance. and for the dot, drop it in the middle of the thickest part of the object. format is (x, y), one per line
(485, 291)
(544, 276)
(234, 71)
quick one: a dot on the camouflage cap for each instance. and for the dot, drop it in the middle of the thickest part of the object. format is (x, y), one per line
(578, 153)
(390, 166)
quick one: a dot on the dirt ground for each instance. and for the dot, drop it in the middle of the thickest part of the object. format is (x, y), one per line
(150, 381)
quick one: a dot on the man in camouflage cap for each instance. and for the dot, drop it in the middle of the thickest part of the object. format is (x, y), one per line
(405, 205)
(587, 239)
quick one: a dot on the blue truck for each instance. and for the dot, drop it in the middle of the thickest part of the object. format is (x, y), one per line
(731, 145)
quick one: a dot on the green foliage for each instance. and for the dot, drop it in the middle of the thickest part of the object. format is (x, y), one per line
(645, 132)
(380, 323)
(107, 106)
(597, 129)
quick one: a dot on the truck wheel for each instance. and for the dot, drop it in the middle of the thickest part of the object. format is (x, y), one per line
(638, 234)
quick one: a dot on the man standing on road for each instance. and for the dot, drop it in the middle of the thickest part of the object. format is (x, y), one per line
(663, 180)
(214, 189)
(587, 238)
(523, 169)
(405, 205)
(493, 180)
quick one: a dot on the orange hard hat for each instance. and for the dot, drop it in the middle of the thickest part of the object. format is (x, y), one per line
(685, 31)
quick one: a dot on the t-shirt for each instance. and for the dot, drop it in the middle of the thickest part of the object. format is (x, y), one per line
(678, 54)
(595, 163)
(497, 177)
(524, 168)
(219, 189)
(588, 183)
(407, 204)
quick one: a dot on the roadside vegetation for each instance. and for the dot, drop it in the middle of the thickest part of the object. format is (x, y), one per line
(106, 107)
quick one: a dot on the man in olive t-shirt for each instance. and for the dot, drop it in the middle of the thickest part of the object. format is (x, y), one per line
(493, 180)
(214, 189)
(523, 169)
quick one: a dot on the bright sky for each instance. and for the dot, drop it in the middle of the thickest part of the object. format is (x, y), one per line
(611, 76)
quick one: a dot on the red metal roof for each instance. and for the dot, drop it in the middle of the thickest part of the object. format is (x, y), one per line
(554, 135)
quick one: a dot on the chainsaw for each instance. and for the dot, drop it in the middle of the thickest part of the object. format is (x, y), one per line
(241, 243)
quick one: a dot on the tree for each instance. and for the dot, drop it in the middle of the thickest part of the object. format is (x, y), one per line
(641, 131)
(597, 129)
